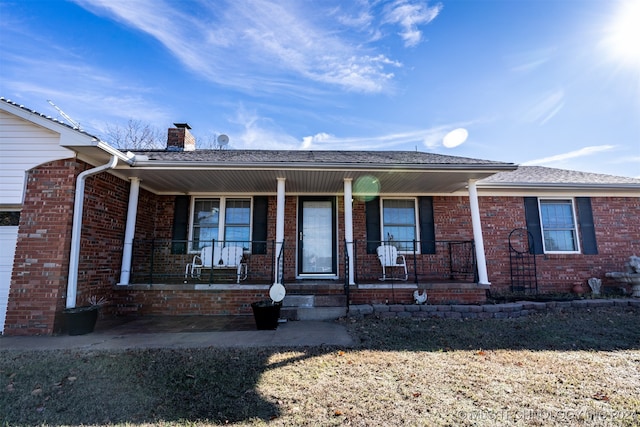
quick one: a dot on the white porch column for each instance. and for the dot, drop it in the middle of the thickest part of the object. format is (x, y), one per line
(348, 225)
(129, 232)
(483, 278)
(279, 226)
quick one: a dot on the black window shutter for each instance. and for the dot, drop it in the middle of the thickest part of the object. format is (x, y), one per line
(532, 216)
(372, 210)
(260, 219)
(180, 230)
(427, 225)
(587, 228)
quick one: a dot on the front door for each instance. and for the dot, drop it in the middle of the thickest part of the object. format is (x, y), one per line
(317, 236)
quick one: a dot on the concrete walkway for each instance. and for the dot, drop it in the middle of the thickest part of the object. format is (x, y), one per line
(289, 334)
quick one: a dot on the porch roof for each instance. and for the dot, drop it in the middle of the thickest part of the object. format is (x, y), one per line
(317, 172)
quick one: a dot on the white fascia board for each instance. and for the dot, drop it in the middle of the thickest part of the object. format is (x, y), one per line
(68, 136)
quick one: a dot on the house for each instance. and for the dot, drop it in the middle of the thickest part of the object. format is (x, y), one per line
(128, 226)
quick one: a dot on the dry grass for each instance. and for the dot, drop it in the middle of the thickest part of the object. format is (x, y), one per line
(548, 369)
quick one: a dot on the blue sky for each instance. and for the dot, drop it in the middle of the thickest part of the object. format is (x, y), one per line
(543, 82)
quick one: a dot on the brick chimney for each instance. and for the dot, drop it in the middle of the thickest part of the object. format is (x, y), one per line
(180, 139)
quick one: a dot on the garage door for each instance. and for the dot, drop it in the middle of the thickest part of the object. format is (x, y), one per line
(8, 238)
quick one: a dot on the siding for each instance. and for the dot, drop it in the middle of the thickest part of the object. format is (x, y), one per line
(24, 145)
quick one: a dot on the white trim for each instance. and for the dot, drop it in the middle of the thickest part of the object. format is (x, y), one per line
(576, 232)
(222, 200)
(416, 223)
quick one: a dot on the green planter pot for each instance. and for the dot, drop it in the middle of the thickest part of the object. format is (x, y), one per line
(81, 320)
(266, 314)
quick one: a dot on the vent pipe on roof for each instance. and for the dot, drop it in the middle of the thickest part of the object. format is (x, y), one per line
(180, 139)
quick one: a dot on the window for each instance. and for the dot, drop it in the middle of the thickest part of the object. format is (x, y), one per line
(399, 223)
(221, 219)
(9, 218)
(558, 223)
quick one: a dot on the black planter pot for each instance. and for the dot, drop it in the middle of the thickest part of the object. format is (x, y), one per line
(81, 320)
(266, 314)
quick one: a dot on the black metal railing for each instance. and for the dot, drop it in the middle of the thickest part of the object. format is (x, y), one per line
(440, 260)
(163, 261)
(157, 261)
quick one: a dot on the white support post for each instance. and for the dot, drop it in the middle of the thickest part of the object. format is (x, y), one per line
(483, 278)
(280, 200)
(129, 232)
(348, 225)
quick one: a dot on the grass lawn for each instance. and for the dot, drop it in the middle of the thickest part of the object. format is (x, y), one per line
(574, 368)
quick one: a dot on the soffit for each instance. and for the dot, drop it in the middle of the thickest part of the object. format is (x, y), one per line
(299, 181)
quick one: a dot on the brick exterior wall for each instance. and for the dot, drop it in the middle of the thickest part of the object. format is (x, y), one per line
(40, 273)
(616, 226)
(37, 295)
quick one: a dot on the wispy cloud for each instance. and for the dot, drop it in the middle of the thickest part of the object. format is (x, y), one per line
(558, 158)
(430, 138)
(546, 107)
(410, 16)
(97, 94)
(222, 41)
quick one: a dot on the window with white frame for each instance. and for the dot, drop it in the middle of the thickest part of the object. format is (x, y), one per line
(559, 231)
(223, 219)
(399, 223)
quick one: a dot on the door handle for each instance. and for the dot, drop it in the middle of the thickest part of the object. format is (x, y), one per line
(301, 236)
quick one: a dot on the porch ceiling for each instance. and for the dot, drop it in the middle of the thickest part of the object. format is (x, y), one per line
(253, 181)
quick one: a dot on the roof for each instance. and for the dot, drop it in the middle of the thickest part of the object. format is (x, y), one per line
(544, 176)
(305, 157)
(53, 120)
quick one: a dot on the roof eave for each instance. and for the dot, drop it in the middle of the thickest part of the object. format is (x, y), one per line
(492, 168)
(560, 186)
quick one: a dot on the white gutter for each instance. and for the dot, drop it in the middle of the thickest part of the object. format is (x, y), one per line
(76, 229)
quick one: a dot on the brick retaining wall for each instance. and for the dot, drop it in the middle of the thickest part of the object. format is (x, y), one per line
(486, 311)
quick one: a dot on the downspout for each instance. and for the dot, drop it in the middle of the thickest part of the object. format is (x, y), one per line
(76, 229)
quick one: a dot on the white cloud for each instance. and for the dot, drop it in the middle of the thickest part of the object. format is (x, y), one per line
(430, 138)
(258, 132)
(558, 158)
(278, 42)
(409, 15)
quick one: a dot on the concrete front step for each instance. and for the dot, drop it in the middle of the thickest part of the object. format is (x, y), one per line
(313, 307)
(321, 313)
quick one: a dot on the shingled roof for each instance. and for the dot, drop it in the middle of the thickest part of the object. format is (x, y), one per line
(539, 175)
(257, 157)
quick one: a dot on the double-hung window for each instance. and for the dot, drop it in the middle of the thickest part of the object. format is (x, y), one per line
(558, 221)
(224, 219)
(399, 221)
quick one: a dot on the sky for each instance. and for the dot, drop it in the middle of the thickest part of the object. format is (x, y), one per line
(543, 82)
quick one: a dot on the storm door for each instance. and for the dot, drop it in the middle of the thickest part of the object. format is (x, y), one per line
(317, 236)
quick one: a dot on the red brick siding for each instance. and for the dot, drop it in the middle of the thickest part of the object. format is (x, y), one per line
(41, 265)
(616, 227)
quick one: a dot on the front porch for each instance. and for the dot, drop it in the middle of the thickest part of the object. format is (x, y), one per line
(159, 285)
